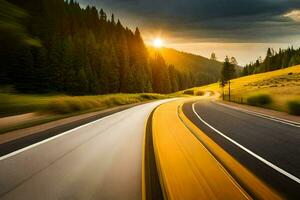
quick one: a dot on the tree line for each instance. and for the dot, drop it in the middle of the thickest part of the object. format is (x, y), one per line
(273, 61)
(57, 46)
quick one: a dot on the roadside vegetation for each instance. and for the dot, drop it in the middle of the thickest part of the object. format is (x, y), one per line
(259, 100)
(40, 109)
(14, 104)
(278, 90)
(294, 107)
(189, 92)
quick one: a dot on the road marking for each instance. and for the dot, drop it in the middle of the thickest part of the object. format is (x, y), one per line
(69, 131)
(57, 136)
(276, 119)
(49, 139)
(278, 169)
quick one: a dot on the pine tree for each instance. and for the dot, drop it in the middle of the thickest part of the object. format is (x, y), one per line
(79, 51)
(173, 79)
(228, 71)
(160, 75)
(23, 73)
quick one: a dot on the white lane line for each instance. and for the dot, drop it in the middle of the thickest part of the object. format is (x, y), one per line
(57, 136)
(278, 169)
(276, 119)
(49, 139)
(68, 132)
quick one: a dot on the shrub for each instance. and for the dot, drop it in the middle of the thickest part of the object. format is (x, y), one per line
(92, 103)
(200, 93)
(116, 101)
(189, 92)
(148, 96)
(294, 107)
(58, 107)
(74, 105)
(67, 105)
(260, 100)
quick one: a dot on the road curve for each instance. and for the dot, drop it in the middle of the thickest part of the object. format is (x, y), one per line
(187, 170)
(275, 142)
(100, 160)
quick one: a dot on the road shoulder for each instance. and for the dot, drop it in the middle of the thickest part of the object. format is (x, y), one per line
(264, 112)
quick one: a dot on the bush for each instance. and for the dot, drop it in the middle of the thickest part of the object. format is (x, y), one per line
(294, 107)
(148, 96)
(189, 92)
(259, 100)
(200, 93)
(58, 107)
(74, 105)
(68, 105)
(118, 101)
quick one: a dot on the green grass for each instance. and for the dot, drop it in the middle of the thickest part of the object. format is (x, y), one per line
(54, 107)
(14, 104)
(282, 86)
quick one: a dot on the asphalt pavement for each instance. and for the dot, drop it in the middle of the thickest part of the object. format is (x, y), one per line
(98, 160)
(268, 148)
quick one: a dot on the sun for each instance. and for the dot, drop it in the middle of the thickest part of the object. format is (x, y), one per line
(158, 42)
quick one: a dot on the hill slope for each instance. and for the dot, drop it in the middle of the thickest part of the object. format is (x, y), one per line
(203, 70)
(282, 86)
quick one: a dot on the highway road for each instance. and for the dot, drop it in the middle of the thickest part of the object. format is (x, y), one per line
(268, 148)
(99, 160)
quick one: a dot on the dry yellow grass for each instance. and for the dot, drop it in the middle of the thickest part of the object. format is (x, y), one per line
(282, 85)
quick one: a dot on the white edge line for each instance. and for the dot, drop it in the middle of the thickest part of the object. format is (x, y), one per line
(62, 134)
(278, 169)
(276, 119)
(213, 156)
(49, 139)
(56, 136)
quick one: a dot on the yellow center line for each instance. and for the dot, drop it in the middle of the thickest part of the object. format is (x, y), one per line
(187, 170)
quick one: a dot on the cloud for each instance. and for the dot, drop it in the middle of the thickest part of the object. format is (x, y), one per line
(210, 20)
(294, 15)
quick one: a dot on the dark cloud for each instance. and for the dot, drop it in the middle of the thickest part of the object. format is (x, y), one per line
(210, 20)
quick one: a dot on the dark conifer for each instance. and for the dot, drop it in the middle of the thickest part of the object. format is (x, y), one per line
(78, 51)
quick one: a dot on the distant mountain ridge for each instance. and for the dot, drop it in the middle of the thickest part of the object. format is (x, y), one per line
(203, 70)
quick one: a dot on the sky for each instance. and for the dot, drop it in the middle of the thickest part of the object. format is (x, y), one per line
(240, 28)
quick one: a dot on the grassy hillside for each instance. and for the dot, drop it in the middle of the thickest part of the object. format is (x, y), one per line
(282, 86)
(204, 70)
